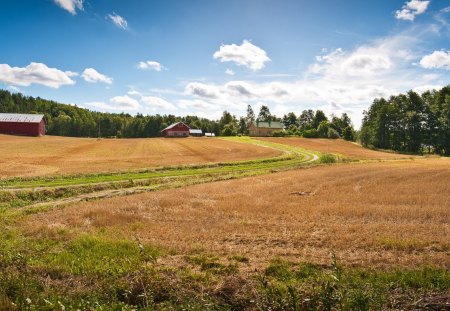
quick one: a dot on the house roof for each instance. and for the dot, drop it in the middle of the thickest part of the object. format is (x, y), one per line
(195, 131)
(21, 117)
(271, 124)
(173, 125)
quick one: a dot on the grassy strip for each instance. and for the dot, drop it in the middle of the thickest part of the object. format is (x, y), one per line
(94, 272)
(19, 192)
(291, 156)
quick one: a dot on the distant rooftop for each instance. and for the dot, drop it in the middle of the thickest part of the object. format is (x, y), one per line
(21, 117)
(173, 125)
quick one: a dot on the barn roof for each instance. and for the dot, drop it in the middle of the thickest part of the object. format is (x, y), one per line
(173, 125)
(21, 117)
(195, 131)
(271, 124)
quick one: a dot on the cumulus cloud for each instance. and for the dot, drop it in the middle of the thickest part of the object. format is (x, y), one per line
(93, 76)
(437, 59)
(70, 6)
(246, 54)
(202, 90)
(196, 104)
(125, 102)
(412, 8)
(35, 73)
(151, 65)
(239, 88)
(362, 62)
(118, 20)
(154, 102)
(229, 72)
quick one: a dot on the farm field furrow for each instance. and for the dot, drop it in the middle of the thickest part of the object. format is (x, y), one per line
(46, 156)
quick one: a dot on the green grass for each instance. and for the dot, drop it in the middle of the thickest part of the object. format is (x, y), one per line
(20, 192)
(293, 156)
(68, 270)
(121, 275)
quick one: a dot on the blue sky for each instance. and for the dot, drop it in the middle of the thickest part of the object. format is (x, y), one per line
(203, 57)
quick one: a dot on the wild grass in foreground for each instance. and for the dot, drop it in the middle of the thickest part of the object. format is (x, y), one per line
(95, 272)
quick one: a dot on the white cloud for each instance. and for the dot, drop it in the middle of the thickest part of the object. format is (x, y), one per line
(437, 59)
(427, 87)
(70, 5)
(364, 61)
(246, 54)
(196, 104)
(125, 102)
(412, 8)
(150, 64)
(13, 88)
(35, 73)
(118, 20)
(154, 102)
(240, 88)
(202, 90)
(93, 76)
(229, 72)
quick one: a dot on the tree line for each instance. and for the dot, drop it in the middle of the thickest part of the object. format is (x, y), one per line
(69, 120)
(409, 123)
(309, 124)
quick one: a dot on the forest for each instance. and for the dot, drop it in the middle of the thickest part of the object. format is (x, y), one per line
(409, 123)
(68, 120)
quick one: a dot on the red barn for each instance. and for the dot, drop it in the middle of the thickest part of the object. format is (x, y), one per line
(178, 129)
(22, 124)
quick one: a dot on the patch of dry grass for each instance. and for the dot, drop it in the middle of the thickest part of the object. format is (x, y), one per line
(381, 215)
(339, 146)
(50, 155)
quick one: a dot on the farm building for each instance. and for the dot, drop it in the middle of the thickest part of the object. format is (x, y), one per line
(22, 124)
(195, 132)
(259, 128)
(178, 129)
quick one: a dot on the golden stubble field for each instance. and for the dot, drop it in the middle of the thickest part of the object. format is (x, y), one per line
(51, 155)
(383, 215)
(338, 146)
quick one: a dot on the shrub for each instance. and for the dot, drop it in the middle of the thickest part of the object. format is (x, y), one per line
(327, 158)
(310, 133)
(332, 133)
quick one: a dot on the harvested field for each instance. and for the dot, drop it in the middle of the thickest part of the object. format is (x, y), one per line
(31, 156)
(379, 215)
(338, 146)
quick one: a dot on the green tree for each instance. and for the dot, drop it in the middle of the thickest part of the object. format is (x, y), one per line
(264, 114)
(318, 117)
(289, 119)
(323, 128)
(305, 120)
